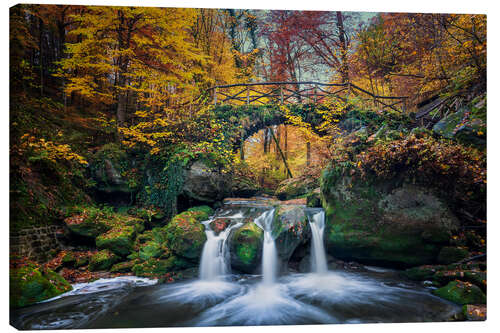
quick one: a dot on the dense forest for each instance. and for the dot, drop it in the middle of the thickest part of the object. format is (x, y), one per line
(119, 140)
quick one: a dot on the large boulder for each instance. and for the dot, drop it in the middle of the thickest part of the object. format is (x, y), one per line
(205, 184)
(246, 248)
(185, 234)
(31, 283)
(290, 228)
(390, 224)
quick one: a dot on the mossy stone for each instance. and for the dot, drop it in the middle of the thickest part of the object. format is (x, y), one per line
(461, 293)
(102, 260)
(156, 268)
(119, 240)
(246, 247)
(31, 283)
(449, 255)
(185, 234)
(123, 267)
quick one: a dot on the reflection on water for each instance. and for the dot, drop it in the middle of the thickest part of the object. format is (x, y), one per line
(334, 297)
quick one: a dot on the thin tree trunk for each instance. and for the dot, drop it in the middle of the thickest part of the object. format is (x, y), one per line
(308, 153)
(344, 70)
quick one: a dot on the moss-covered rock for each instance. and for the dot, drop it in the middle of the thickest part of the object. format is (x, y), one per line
(185, 234)
(69, 259)
(154, 249)
(461, 293)
(123, 267)
(31, 283)
(421, 273)
(87, 226)
(157, 268)
(119, 240)
(92, 221)
(102, 260)
(464, 126)
(449, 255)
(246, 248)
(383, 223)
(290, 228)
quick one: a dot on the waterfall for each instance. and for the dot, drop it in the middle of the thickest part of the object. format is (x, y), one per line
(214, 263)
(318, 260)
(269, 255)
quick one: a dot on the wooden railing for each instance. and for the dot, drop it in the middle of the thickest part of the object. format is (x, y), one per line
(298, 92)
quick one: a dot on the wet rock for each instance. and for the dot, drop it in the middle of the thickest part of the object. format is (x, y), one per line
(31, 283)
(461, 293)
(290, 228)
(246, 248)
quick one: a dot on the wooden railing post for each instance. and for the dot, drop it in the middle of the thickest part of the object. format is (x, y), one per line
(281, 93)
(215, 96)
(248, 95)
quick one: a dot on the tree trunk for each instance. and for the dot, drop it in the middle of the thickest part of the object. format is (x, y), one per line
(344, 70)
(308, 153)
(40, 47)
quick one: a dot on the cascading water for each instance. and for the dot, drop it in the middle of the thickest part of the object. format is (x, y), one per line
(269, 255)
(318, 262)
(214, 263)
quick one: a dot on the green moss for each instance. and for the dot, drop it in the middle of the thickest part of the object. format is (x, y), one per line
(69, 259)
(152, 249)
(461, 293)
(123, 267)
(449, 255)
(102, 260)
(158, 267)
(185, 234)
(119, 240)
(30, 283)
(246, 243)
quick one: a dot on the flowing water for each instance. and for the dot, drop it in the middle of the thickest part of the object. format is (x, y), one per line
(269, 255)
(318, 262)
(214, 262)
(220, 297)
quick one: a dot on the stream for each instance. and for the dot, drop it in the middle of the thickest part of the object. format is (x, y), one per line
(219, 297)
